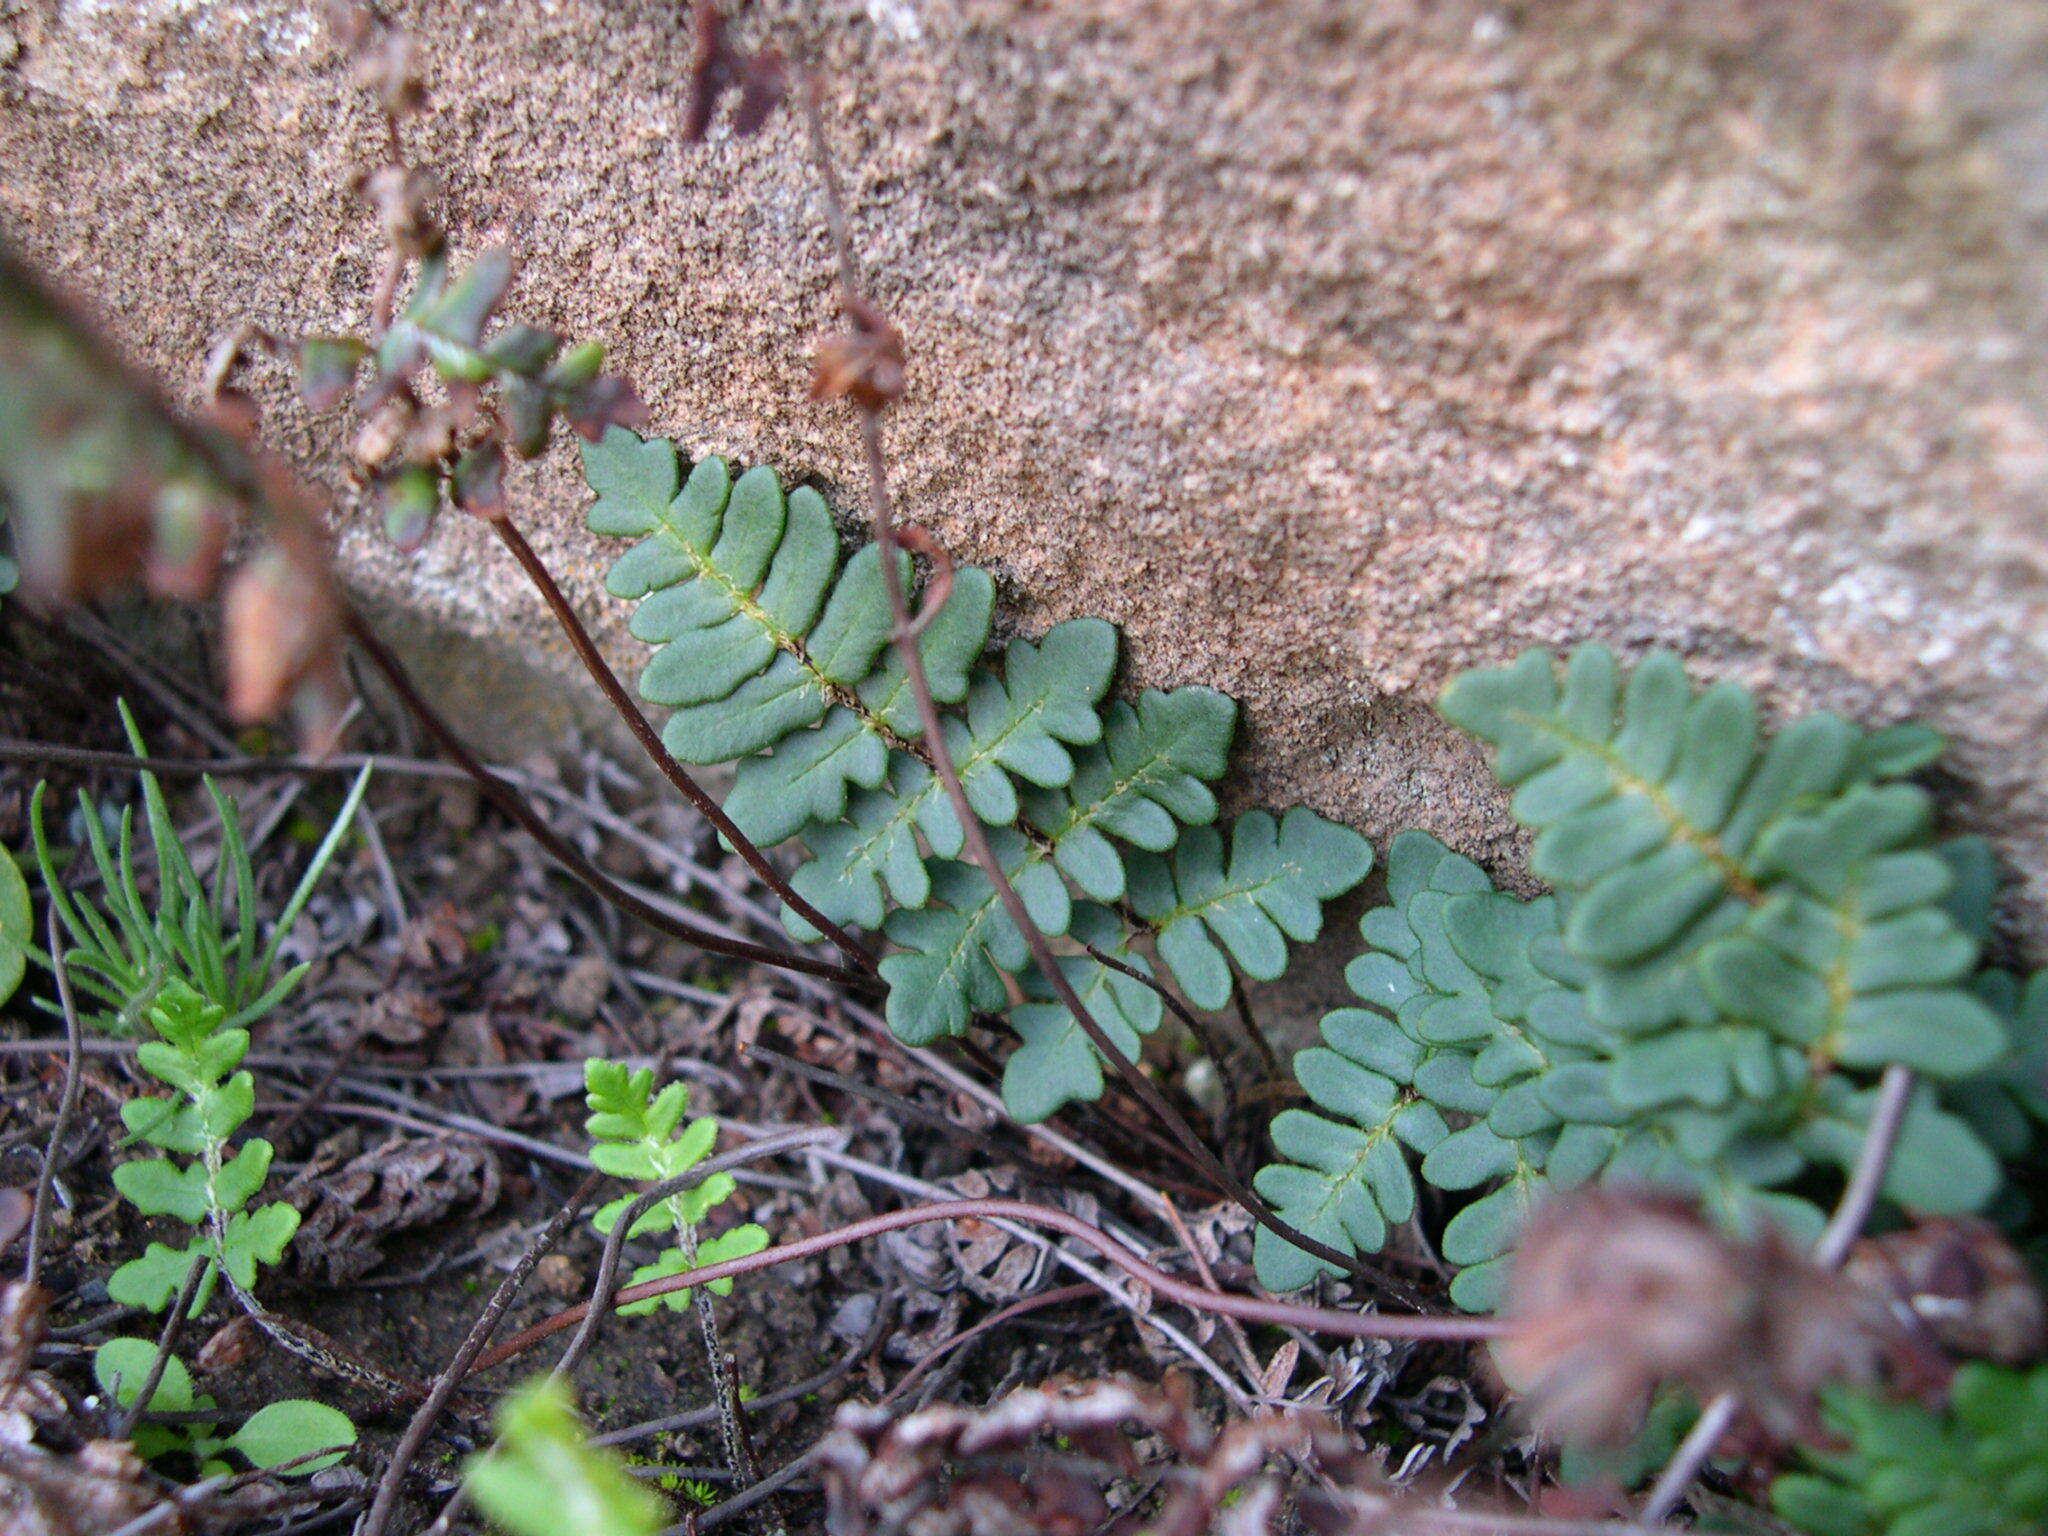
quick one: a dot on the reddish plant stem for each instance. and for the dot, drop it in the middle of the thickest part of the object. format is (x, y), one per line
(1254, 1309)
(984, 855)
(564, 853)
(650, 741)
(856, 305)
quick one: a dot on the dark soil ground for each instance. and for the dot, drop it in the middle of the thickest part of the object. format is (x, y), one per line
(423, 1088)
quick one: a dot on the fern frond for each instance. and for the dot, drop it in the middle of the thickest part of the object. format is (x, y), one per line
(1147, 780)
(2008, 1106)
(773, 654)
(1473, 1013)
(1269, 889)
(1055, 1062)
(1721, 879)
(638, 1134)
(1980, 1468)
(958, 947)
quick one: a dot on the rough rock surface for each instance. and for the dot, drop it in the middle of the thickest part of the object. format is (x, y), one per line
(1328, 347)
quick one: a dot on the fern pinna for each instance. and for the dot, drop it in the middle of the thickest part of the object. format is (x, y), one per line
(1743, 932)
(1979, 1468)
(775, 655)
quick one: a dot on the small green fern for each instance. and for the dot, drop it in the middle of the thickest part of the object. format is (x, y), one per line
(1742, 930)
(543, 1477)
(1771, 891)
(638, 1134)
(199, 1057)
(1979, 1469)
(775, 655)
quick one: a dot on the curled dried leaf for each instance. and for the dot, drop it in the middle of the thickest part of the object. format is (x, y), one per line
(606, 401)
(478, 480)
(863, 363)
(349, 1213)
(401, 196)
(384, 434)
(716, 67)
(100, 1488)
(1958, 1278)
(1042, 1460)
(1616, 1293)
(282, 629)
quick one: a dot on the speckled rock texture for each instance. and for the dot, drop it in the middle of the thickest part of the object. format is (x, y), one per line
(1328, 346)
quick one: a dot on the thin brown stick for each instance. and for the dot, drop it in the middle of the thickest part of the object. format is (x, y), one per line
(1894, 1098)
(1216, 1050)
(67, 1105)
(740, 1503)
(650, 742)
(1015, 1309)
(1284, 1314)
(908, 1109)
(693, 1417)
(166, 1341)
(1250, 1023)
(423, 1420)
(1231, 1325)
(558, 848)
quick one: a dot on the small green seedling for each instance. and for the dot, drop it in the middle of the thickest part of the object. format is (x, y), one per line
(293, 1437)
(543, 1477)
(120, 951)
(198, 1056)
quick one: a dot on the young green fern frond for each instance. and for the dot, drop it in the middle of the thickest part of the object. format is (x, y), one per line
(1270, 888)
(1978, 1469)
(775, 655)
(199, 1058)
(639, 1134)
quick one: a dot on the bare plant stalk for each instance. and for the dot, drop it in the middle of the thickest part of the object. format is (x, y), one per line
(167, 1340)
(906, 631)
(650, 741)
(1435, 1327)
(506, 799)
(378, 1519)
(46, 1176)
(1215, 1049)
(1894, 1097)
